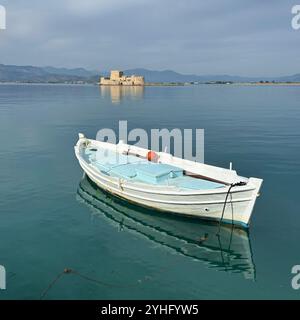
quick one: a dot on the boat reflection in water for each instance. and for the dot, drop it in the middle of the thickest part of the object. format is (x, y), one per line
(230, 251)
(117, 93)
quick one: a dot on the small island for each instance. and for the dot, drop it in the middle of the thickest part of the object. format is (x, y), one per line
(117, 78)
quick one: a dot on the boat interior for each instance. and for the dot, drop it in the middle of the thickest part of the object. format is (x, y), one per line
(140, 169)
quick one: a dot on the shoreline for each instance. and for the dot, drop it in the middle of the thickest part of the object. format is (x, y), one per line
(266, 84)
(158, 84)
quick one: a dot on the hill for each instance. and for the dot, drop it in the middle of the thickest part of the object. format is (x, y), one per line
(13, 73)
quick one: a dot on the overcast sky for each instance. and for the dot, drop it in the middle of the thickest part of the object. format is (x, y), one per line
(239, 37)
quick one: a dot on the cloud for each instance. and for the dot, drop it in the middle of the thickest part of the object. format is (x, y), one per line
(216, 36)
(99, 6)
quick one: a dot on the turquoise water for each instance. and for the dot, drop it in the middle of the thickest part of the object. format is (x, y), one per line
(52, 218)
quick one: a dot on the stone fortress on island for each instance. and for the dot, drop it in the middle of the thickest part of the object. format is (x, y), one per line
(117, 78)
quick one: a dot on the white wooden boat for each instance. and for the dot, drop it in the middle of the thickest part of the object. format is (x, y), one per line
(230, 252)
(163, 182)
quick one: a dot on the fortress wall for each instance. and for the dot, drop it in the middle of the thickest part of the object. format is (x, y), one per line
(117, 78)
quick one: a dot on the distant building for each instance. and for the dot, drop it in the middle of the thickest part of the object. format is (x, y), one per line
(117, 78)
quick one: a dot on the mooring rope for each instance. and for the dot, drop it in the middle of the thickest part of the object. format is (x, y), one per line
(85, 277)
(52, 283)
(238, 184)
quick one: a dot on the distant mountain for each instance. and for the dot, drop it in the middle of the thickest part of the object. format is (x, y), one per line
(161, 76)
(172, 76)
(78, 72)
(293, 78)
(12, 73)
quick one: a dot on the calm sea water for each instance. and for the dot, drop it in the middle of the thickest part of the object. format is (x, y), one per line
(52, 218)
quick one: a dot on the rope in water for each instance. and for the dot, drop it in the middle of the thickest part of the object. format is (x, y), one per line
(69, 271)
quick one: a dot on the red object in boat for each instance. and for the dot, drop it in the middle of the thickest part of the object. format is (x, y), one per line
(152, 156)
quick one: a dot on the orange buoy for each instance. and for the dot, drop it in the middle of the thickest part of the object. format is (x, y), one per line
(152, 156)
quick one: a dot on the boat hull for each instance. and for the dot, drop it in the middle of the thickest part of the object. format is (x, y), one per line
(206, 204)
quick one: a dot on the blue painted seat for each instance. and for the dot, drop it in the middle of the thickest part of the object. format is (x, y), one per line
(187, 182)
(107, 160)
(124, 171)
(157, 172)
